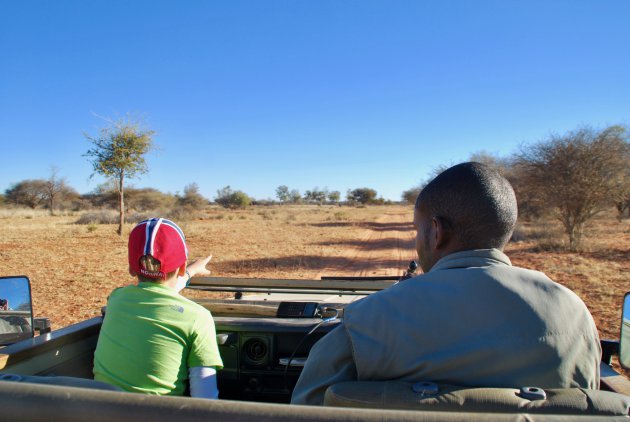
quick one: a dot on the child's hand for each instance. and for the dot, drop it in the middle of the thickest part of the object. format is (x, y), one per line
(199, 267)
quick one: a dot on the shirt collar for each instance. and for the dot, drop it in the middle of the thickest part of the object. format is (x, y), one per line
(472, 258)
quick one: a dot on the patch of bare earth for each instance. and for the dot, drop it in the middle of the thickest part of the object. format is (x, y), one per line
(73, 268)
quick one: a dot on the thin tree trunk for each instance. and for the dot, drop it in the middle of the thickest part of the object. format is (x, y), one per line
(122, 203)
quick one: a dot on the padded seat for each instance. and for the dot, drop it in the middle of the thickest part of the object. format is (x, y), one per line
(401, 395)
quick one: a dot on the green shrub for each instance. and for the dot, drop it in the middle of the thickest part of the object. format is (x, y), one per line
(228, 198)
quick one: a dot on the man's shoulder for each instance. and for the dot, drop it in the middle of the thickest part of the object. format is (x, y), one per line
(539, 278)
(404, 288)
(452, 283)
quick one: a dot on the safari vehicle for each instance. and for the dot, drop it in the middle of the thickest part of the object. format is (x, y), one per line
(265, 333)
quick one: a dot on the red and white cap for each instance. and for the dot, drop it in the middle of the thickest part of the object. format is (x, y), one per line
(163, 240)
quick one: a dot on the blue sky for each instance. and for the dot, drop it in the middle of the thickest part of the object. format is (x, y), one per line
(338, 94)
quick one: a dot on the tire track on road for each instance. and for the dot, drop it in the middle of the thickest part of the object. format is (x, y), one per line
(384, 248)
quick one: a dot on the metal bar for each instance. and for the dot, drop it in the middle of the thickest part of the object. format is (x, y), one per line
(276, 290)
(372, 278)
(15, 313)
(328, 285)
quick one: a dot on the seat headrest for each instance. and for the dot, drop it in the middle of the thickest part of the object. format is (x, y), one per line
(401, 395)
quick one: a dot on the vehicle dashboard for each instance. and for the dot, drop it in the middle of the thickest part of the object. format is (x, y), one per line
(255, 353)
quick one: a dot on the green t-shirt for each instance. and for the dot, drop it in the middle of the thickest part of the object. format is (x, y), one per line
(151, 335)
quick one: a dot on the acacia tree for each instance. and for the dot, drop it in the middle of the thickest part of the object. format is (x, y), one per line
(118, 153)
(282, 193)
(53, 188)
(316, 196)
(361, 195)
(30, 193)
(295, 196)
(622, 202)
(334, 196)
(409, 196)
(192, 198)
(577, 175)
(228, 198)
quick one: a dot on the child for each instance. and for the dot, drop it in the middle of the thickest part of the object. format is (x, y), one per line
(153, 339)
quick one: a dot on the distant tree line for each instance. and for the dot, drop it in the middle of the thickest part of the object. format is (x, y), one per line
(56, 195)
(118, 153)
(571, 177)
(363, 196)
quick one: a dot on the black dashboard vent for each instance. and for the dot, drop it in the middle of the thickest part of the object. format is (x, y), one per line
(256, 351)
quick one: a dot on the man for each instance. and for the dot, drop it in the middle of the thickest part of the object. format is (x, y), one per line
(472, 319)
(153, 340)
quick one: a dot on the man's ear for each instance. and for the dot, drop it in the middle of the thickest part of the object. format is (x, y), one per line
(441, 233)
(181, 270)
(132, 272)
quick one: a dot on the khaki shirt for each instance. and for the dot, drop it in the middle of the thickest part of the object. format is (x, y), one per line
(473, 320)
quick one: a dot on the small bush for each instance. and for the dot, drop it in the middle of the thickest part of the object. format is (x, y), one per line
(91, 228)
(98, 217)
(341, 216)
(192, 198)
(228, 198)
(185, 213)
(137, 217)
(266, 215)
(550, 245)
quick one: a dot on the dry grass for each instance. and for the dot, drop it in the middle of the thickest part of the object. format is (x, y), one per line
(598, 274)
(73, 268)
(8, 213)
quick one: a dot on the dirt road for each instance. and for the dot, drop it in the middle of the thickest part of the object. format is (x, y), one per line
(384, 247)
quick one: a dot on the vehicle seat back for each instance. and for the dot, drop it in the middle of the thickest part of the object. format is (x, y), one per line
(406, 396)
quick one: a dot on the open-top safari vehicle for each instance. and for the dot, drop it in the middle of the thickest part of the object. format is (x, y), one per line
(265, 333)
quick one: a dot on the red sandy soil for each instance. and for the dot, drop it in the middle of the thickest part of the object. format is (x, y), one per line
(73, 268)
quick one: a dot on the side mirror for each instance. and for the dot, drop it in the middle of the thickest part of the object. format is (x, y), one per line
(624, 339)
(16, 310)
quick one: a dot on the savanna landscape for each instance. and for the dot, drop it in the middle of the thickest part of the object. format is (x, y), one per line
(73, 267)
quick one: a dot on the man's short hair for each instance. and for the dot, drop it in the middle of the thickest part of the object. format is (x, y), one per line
(475, 201)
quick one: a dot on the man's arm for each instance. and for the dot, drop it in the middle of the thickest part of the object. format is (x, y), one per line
(329, 362)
